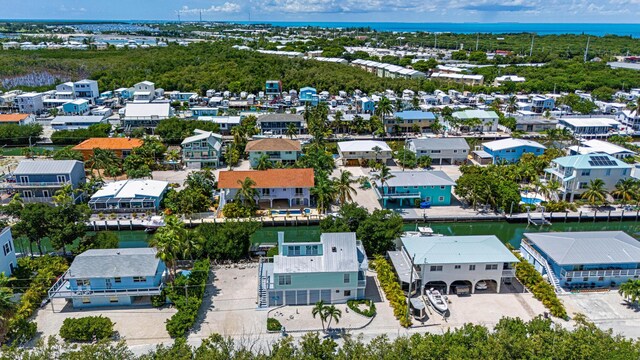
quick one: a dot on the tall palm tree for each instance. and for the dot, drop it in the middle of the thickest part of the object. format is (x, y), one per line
(264, 163)
(552, 188)
(325, 193)
(174, 157)
(292, 130)
(343, 186)
(512, 105)
(595, 192)
(332, 313)
(169, 241)
(247, 193)
(383, 176)
(384, 108)
(377, 150)
(630, 290)
(635, 108)
(103, 159)
(319, 310)
(626, 190)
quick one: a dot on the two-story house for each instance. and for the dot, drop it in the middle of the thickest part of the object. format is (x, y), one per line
(202, 150)
(111, 277)
(442, 151)
(38, 180)
(8, 261)
(31, 103)
(332, 270)
(487, 120)
(410, 121)
(65, 91)
(76, 107)
(122, 147)
(86, 89)
(511, 150)
(540, 104)
(278, 150)
(415, 189)
(130, 196)
(145, 114)
(283, 188)
(575, 172)
(273, 88)
(277, 124)
(17, 119)
(359, 152)
(600, 147)
(588, 127)
(309, 95)
(144, 91)
(583, 260)
(453, 263)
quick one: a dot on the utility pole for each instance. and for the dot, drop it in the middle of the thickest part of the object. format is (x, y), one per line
(586, 50)
(413, 259)
(531, 49)
(200, 15)
(186, 294)
(477, 40)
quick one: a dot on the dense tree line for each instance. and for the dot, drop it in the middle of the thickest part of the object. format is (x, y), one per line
(72, 137)
(12, 134)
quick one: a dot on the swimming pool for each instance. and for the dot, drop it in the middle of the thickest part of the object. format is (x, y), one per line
(530, 201)
(290, 212)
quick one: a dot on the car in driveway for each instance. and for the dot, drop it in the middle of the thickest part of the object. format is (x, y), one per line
(481, 285)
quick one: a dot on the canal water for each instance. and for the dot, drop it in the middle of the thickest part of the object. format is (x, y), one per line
(506, 232)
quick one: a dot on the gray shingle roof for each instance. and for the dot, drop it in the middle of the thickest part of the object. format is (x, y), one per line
(588, 247)
(440, 144)
(52, 167)
(110, 263)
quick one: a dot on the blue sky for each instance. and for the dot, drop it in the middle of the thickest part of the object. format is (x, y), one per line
(561, 11)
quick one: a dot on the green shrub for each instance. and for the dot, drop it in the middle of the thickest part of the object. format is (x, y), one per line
(180, 323)
(237, 210)
(355, 306)
(541, 289)
(273, 324)
(392, 289)
(272, 252)
(159, 300)
(86, 328)
(22, 331)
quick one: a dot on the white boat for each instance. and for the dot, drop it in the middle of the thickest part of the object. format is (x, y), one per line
(421, 231)
(438, 301)
(154, 223)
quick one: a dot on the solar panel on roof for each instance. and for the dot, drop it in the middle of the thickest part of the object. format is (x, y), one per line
(601, 161)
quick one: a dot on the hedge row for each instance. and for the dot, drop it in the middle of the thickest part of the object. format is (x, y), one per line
(392, 289)
(355, 306)
(88, 328)
(193, 286)
(541, 289)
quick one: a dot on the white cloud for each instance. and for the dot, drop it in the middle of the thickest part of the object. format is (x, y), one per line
(344, 6)
(65, 9)
(227, 7)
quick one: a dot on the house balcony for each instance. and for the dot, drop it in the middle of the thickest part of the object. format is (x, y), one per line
(34, 184)
(62, 289)
(37, 199)
(397, 195)
(601, 273)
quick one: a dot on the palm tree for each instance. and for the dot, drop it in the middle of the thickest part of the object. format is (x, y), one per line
(630, 290)
(325, 193)
(595, 192)
(377, 150)
(319, 310)
(103, 159)
(343, 186)
(264, 163)
(332, 313)
(384, 108)
(247, 193)
(552, 188)
(512, 105)
(635, 108)
(626, 190)
(383, 176)
(436, 126)
(292, 130)
(174, 157)
(169, 241)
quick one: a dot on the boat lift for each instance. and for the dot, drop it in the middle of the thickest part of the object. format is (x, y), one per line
(537, 221)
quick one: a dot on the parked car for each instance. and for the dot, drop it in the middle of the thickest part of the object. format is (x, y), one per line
(481, 285)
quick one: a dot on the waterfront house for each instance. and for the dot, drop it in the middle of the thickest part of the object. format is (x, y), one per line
(410, 121)
(283, 188)
(31, 103)
(17, 119)
(122, 147)
(453, 264)
(111, 277)
(535, 124)
(146, 114)
(410, 188)
(76, 122)
(202, 150)
(133, 195)
(39, 180)
(601, 147)
(76, 107)
(588, 127)
(8, 261)
(488, 120)
(575, 172)
(278, 150)
(359, 152)
(511, 150)
(442, 151)
(590, 259)
(277, 124)
(332, 270)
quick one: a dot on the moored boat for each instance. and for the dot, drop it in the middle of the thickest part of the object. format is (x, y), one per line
(438, 301)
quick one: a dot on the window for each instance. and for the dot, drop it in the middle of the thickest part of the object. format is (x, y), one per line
(472, 268)
(585, 279)
(585, 173)
(442, 187)
(455, 151)
(569, 279)
(608, 172)
(82, 282)
(436, 268)
(311, 250)
(346, 278)
(601, 278)
(457, 267)
(294, 250)
(139, 279)
(299, 191)
(491, 267)
(284, 280)
(583, 185)
(86, 300)
(347, 293)
(441, 198)
(113, 299)
(6, 248)
(436, 151)
(117, 280)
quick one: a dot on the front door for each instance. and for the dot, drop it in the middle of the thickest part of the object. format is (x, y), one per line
(45, 193)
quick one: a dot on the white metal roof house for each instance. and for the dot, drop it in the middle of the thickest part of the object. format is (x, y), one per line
(303, 273)
(146, 114)
(449, 262)
(134, 195)
(76, 122)
(442, 151)
(588, 127)
(511, 149)
(357, 151)
(202, 150)
(600, 147)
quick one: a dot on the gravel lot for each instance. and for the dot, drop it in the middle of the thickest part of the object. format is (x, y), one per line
(607, 310)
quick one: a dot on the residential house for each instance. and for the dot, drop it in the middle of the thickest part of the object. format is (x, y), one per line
(226, 123)
(365, 105)
(144, 91)
(273, 88)
(410, 121)
(600, 147)
(309, 95)
(76, 107)
(8, 261)
(86, 89)
(488, 119)
(199, 111)
(146, 114)
(122, 147)
(111, 277)
(630, 119)
(39, 180)
(508, 79)
(442, 151)
(133, 195)
(575, 172)
(279, 187)
(511, 150)
(278, 150)
(189, 97)
(202, 150)
(465, 79)
(535, 125)
(31, 103)
(588, 127)
(540, 104)
(411, 188)
(17, 119)
(359, 152)
(453, 264)
(277, 124)
(583, 259)
(332, 270)
(65, 91)
(76, 122)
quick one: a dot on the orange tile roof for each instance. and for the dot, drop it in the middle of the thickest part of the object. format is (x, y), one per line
(272, 178)
(275, 144)
(13, 117)
(109, 144)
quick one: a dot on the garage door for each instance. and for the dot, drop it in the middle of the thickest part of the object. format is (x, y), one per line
(314, 296)
(325, 295)
(290, 297)
(275, 298)
(302, 297)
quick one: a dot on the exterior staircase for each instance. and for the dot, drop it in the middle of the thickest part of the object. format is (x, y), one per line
(551, 276)
(263, 285)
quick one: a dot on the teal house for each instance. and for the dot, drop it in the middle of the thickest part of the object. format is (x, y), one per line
(332, 270)
(284, 151)
(411, 188)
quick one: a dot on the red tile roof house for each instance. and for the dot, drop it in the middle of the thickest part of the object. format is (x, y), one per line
(280, 188)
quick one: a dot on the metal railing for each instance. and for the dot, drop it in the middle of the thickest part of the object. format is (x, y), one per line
(402, 195)
(542, 261)
(508, 272)
(601, 273)
(37, 183)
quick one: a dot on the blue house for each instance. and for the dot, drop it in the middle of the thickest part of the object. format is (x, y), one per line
(111, 277)
(540, 104)
(38, 180)
(8, 260)
(204, 111)
(273, 88)
(410, 188)
(309, 95)
(511, 150)
(76, 107)
(410, 120)
(365, 105)
(590, 259)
